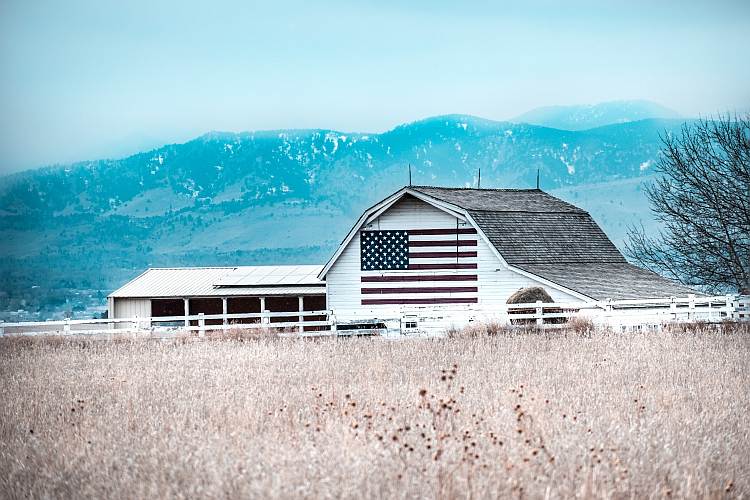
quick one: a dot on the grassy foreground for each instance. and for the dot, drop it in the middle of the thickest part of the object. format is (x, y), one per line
(532, 415)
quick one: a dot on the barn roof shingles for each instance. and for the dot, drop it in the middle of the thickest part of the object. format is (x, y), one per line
(560, 242)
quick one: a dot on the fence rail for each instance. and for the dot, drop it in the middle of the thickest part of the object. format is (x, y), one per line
(638, 312)
(304, 322)
(616, 313)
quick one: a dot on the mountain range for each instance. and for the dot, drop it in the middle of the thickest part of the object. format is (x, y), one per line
(586, 116)
(72, 233)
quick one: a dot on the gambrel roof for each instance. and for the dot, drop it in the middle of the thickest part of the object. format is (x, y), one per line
(616, 281)
(499, 200)
(555, 240)
(542, 236)
(532, 227)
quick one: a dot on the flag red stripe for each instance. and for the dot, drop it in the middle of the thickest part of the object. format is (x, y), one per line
(443, 243)
(441, 300)
(441, 266)
(424, 232)
(433, 289)
(437, 255)
(419, 277)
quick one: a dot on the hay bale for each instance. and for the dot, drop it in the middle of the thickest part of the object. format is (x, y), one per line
(529, 295)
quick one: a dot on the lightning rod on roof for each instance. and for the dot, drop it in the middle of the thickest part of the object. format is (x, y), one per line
(409, 174)
(537, 178)
(479, 179)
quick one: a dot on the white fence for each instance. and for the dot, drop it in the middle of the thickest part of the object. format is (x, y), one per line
(630, 313)
(620, 314)
(304, 323)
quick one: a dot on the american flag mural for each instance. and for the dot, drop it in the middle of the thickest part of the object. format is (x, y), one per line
(419, 266)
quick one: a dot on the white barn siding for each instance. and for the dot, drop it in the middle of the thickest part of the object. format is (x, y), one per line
(343, 279)
(495, 282)
(130, 308)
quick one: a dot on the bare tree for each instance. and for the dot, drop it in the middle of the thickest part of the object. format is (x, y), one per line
(702, 197)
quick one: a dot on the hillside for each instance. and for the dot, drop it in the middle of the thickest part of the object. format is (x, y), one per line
(70, 234)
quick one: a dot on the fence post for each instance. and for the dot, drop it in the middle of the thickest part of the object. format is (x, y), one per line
(201, 325)
(691, 306)
(186, 310)
(607, 308)
(729, 307)
(332, 319)
(301, 319)
(2, 328)
(539, 312)
(673, 308)
(66, 327)
(743, 307)
(224, 309)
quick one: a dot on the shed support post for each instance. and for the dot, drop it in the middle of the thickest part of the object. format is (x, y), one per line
(539, 312)
(187, 312)
(224, 313)
(301, 328)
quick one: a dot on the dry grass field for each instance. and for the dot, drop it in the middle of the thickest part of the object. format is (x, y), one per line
(525, 415)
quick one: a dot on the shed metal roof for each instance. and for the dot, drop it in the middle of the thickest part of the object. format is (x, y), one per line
(271, 276)
(201, 282)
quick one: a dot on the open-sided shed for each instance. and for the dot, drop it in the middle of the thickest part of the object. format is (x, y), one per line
(163, 292)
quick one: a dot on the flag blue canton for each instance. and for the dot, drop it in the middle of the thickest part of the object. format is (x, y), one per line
(384, 250)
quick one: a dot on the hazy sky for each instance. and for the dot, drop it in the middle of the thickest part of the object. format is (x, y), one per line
(88, 79)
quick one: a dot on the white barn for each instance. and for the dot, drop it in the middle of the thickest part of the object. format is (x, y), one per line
(428, 253)
(422, 256)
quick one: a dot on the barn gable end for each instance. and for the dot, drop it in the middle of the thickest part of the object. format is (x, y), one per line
(494, 282)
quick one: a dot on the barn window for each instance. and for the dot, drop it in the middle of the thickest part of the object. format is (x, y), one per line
(409, 324)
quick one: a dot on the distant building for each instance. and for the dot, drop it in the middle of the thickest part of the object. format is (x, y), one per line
(422, 250)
